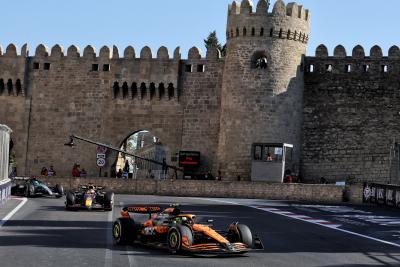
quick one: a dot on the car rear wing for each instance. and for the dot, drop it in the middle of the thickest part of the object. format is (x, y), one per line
(142, 209)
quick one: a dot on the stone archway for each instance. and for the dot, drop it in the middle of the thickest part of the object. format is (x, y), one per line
(146, 145)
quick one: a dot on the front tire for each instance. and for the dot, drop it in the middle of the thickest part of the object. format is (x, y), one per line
(70, 201)
(123, 231)
(59, 190)
(240, 233)
(108, 201)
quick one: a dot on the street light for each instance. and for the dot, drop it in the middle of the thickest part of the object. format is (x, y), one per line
(72, 144)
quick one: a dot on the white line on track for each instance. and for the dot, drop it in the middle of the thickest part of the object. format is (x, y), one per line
(9, 215)
(108, 255)
(300, 219)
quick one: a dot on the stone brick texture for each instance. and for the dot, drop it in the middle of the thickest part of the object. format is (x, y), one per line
(351, 118)
(341, 123)
(227, 189)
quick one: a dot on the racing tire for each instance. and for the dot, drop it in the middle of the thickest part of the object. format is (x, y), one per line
(70, 201)
(59, 190)
(178, 238)
(30, 190)
(242, 234)
(123, 231)
(108, 201)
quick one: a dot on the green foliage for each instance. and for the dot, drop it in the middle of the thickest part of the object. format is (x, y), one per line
(212, 41)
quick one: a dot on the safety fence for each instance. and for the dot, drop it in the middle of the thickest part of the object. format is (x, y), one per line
(381, 194)
(5, 191)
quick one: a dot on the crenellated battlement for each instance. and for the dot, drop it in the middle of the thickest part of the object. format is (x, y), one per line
(89, 52)
(290, 22)
(246, 7)
(358, 62)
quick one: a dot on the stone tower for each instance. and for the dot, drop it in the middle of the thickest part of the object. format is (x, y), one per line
(262, 89)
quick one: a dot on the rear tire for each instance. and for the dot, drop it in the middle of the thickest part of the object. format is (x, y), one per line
(178, 238)
(123, 231)
(30, 190)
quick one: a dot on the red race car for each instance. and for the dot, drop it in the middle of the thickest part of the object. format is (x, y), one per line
(178, 232)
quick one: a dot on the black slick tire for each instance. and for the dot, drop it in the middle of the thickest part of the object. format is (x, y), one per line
(123, 231)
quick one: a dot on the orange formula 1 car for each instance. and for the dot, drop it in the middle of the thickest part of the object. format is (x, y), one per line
(179, 233)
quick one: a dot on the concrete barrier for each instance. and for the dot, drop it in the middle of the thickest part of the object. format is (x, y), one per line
(5, 191)
(219, 189)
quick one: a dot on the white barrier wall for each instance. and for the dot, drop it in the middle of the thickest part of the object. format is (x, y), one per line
(4, 163)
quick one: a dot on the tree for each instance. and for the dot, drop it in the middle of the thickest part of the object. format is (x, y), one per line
(212, 40)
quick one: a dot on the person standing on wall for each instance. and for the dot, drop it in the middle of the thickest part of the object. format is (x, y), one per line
(51, 171)
(75, 171)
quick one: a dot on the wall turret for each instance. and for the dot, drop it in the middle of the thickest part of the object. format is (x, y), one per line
(262, 84)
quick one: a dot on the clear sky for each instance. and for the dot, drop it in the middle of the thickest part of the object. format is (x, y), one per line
(183, 23)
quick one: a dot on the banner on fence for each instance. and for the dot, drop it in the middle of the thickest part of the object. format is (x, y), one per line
(381, 194)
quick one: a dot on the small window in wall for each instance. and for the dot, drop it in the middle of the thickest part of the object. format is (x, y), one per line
(10, 87)
(261, 63)
(280, 33)
(36, 65)
(152, 90)
(262, 32)
(134, 89)
(258, 152)
(200, 68)
(328, 68)
(384, 68)
(188, 68)
(171, 91)
(143, 90)
(116, 89)
(125, 90)
(46, 66)
(366, 68)
(95, 67)
(106, 67)
(347, 68)
(161, 90)
(18, 86)
(253, 32)
(1, 86)
(271, 33)
(310, 68)
(237, 32)
(244, 32)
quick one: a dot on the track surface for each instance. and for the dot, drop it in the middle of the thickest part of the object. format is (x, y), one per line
(42, 233)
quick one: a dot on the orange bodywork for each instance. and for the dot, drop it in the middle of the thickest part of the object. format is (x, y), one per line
(210, 232)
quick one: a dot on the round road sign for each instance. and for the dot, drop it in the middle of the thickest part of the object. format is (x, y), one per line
(101, 162)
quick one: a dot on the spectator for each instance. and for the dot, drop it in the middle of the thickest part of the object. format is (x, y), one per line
(119, 173)
(51, 171)
(269, 157)
(44, 171)
(75, 170)
(83, 172)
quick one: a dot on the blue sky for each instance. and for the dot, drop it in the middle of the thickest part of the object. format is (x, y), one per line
(183, 23)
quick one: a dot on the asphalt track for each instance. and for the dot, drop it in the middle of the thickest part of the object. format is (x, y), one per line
(42, 233)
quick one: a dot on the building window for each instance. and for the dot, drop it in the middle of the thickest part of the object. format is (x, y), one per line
(171, 91)
(366, 68)
(161, 90)
(36, 65)
(188, 68)
(244, 32)
(95, 67)
(125, 90)
(347, 68)
(384, 68)
(116, 89)
(46, 66)
(106, 67)
(237, 32)
(200, 68)
(328, 68)
(310, 68)
(253, 32)
(18, 86)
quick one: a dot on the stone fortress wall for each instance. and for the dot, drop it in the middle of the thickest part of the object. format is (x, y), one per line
(341, 119)
(351, 113)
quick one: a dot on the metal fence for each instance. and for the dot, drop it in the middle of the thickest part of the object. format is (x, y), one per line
(381, 194)
(5, 191)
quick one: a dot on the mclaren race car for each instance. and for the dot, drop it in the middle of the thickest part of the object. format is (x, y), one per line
(89, 197)
(31, 187)
(179, 233)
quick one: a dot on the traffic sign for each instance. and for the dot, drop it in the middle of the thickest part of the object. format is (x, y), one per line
(101, 156)
(101, 162)
(101, 150)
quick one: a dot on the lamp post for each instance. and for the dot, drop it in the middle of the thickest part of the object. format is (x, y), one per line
(71, 143)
